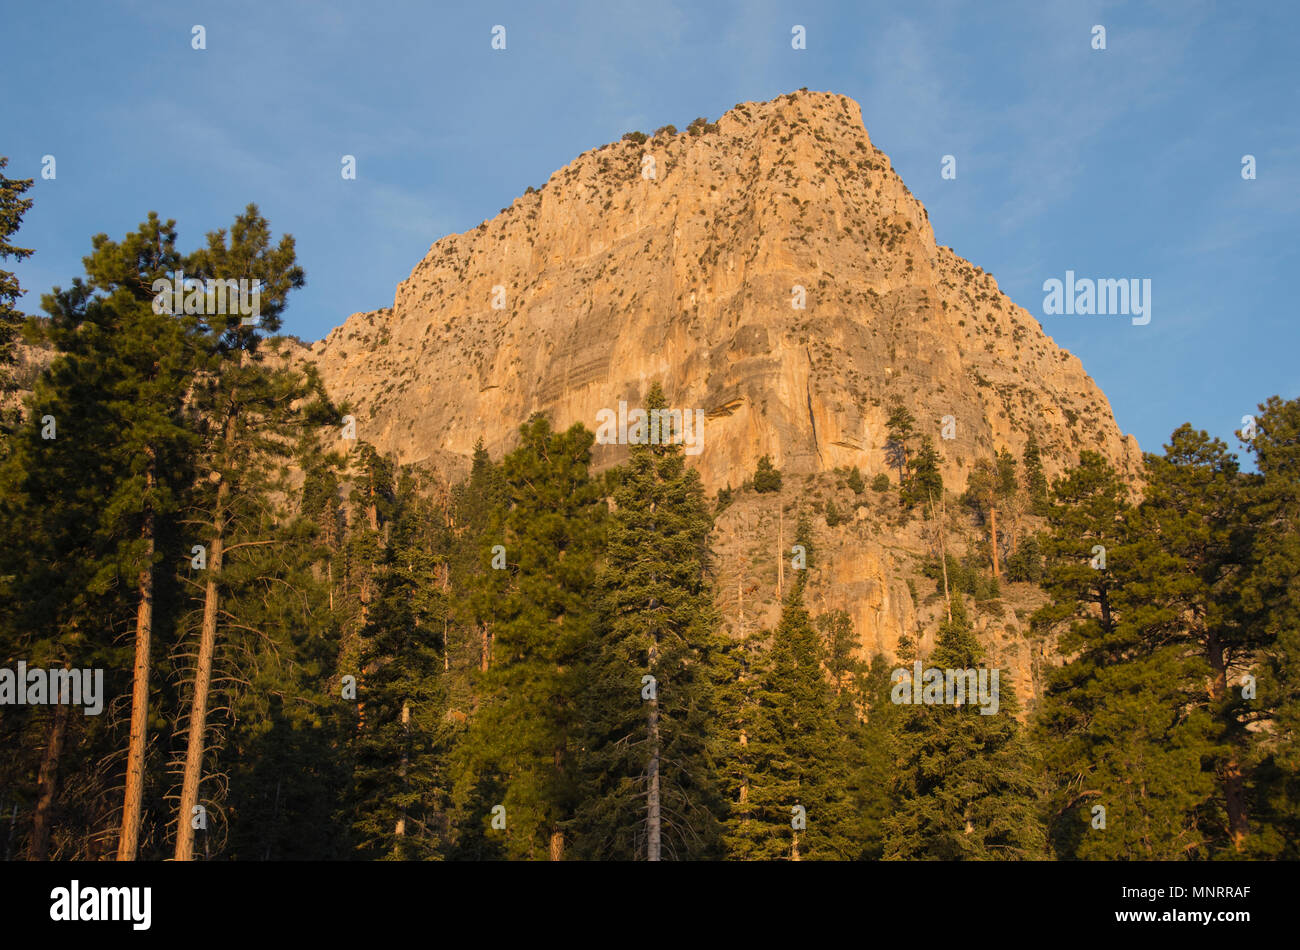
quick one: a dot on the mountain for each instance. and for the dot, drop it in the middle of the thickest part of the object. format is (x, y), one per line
(681, 258)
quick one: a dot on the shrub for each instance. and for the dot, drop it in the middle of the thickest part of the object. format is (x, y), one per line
(833, 516)
(725, 497)
(855, 481)
(637, 137)
(669, 129)
(880, 482)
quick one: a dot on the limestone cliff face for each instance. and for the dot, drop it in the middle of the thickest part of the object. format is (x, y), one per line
(609, 280)
(775, 273)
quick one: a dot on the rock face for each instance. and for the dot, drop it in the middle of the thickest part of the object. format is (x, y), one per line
(772, 271)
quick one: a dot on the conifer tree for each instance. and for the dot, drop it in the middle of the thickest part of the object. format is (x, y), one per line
(12, 208)
(965, 779)
(1271, 597)
(402, 805)
(540, 615)
(924, 481)
(649, 702)
(901, 425)
(1035, 480)
(117, 402)
(876, 739)
(1191, 557)
(250, 420)
(795, 806)
(1130, 739)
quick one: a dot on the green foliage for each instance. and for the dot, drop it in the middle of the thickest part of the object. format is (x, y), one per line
(880, 483)
(924, 484)
(1035, 480)
(1026, 564)
(965, 576)
(965, 780)
(12, 208)
(855, 483)
(766, 477)
(648, 690)
(901, 425)
(539, 620)
(794, 755)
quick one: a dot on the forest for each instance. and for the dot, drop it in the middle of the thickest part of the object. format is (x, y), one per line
(312, 652)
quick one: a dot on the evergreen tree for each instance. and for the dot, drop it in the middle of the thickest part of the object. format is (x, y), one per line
(924, 485)
(901, 425)
(648, 693)
(538, 614)
(1129, 724)
(12, 208)
(1035, 480)
(122, 453)
(874, 800)
(965, 779)
(402, 806)
(1271, 597)
(250, 420)
(766, 476)
(796, 767)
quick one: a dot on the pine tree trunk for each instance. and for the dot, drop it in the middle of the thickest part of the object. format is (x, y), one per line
(653, 827)
(993, 531)
(780, 547)
(47, 785)
(943, 561)
(133, 800)
(202, 683)
(1234, 789)
(207, 649)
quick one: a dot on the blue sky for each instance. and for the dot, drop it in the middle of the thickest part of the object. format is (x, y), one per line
(1117, 163)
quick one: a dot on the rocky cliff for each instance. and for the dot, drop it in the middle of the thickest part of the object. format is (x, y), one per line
(771, 270)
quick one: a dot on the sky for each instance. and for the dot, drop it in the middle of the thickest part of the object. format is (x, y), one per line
(1116, 163)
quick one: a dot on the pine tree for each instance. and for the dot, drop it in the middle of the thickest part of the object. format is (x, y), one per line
(965, 779)
(12, 208)
(875, 742)
(402, 806)
(1271, 596)
(1191, 558)
(901, 425)
(649, 702)
(250, 420)
(796, 765)
(1034, 478)
(538, 611)
(117, 398)
(1125, 724)
(924, 483)
(767, 478)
